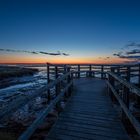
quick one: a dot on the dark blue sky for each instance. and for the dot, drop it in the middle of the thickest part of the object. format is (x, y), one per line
(87, 29)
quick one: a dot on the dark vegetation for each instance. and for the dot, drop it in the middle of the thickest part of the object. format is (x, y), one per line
(12, 71)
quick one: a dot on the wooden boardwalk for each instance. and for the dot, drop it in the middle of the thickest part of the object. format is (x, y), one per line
(89, 114)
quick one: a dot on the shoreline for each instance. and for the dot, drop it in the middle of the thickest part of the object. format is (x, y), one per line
(13, 71)
(9, 74)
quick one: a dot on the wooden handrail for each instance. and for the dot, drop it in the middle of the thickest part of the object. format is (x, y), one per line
(30, 130)
(59, 94)
(131, 86)
(132, 119)
(124, 99)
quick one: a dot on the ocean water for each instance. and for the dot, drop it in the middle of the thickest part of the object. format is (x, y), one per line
(25, 84)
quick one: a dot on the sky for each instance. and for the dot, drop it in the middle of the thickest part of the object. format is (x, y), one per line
(90, 31)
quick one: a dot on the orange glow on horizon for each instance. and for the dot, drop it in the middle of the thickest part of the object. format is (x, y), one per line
(59, 60)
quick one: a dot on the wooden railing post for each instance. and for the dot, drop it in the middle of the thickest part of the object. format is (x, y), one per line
(69, 78)
(72, 81)
(78, 71)
(126, 96)
(90, 71)
(48, 72)
(112, 82)
(137, 97)
(118, 70)
(93, 73)
(68, 81)
(48, 81)
(56, 76)
(139, 74)
(102, 72)
(57, 90)
(65, 70)
(126, 90)
(128, 74)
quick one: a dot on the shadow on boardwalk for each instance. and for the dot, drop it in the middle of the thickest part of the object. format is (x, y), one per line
(89, 114)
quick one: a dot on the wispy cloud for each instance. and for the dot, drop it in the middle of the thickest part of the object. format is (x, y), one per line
(20, 51)
(65, 54)
(129, 53)
(136, 57)
(132, 44)
(58, 53)
(34, 52)
(127, 56)
(118, 54)
(104, 58)
(135, 51)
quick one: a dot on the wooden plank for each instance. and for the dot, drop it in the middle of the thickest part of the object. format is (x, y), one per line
(93, 131)
(91, 119)
(64, 137)
(59, 132)
(97, 122)
(89, 115)
(89, 126)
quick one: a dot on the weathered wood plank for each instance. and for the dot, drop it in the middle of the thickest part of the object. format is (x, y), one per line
(89, 115)
(93, 131)
(59, 132)
(89, 126)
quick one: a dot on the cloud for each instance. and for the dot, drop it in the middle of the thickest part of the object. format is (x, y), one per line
(135, 51)
(133, 44)
(33, 52)
(118, 54)
(130, 51)
(127, 56)
(1, 49)
(104, 58)
(65, 54)
(50, 53)
(21, 51)
(43, 52)
(107, 57)
(137, 57)
(132, 55)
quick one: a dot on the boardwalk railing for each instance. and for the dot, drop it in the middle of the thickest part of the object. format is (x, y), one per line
(128, 72)
(98, 70)
(121, 90)
(120, 82)
(60, 91)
